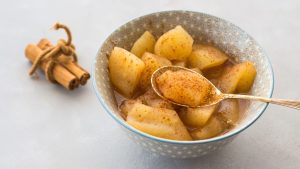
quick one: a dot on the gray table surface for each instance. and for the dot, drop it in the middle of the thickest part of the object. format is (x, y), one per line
(44, 126)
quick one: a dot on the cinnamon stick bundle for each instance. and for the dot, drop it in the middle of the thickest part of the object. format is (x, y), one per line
(59, 62)
(72, 66)
(61, 74)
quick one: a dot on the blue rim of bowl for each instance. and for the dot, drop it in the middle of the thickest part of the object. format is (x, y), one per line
(148, 136)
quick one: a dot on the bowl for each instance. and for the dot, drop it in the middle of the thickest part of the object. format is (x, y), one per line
(203, 28)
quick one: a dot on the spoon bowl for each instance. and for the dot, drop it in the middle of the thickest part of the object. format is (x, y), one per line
(218, 96)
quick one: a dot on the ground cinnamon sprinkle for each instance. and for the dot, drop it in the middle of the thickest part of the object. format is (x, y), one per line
(184, 87)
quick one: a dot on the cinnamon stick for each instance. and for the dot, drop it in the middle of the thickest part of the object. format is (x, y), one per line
(72, 66)
(60, 74)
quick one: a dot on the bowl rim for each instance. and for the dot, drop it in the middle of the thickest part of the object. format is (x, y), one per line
(148, 136)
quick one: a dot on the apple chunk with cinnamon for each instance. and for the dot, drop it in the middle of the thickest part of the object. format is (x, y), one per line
(184, 87)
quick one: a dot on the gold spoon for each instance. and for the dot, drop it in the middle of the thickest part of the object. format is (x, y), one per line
(218, 95)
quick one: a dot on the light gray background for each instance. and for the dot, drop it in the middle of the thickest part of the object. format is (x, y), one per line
(44, 126)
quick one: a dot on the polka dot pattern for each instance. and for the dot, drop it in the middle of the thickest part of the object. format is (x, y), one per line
(178, 150)
(205, 29)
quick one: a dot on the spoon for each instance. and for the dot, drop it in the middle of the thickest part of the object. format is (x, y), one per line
(217, 94)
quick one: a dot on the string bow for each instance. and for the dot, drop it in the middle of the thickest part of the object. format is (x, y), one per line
(53, 55)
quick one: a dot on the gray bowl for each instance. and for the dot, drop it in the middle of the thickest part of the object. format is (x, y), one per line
(204, 29)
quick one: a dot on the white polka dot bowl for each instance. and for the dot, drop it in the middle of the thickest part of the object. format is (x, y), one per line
(204, 29)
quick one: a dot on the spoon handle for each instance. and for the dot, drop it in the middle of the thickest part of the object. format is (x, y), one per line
(283, 102)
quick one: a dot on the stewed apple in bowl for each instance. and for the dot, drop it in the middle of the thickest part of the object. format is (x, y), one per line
(224, 54)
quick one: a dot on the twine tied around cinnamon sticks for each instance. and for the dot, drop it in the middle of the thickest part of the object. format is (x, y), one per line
(52, 53)
(58, 62)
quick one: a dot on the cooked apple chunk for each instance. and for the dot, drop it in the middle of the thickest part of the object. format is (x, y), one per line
(152, 63)
(159, 122)
(206, 56)
(213, 127)
(229, 110)
(247, 78)
(184, 87)
(150, 98)
(127, 105)
(125, 70)
(239, 78)
(144, 44)
(196, 117)
(176, 44)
